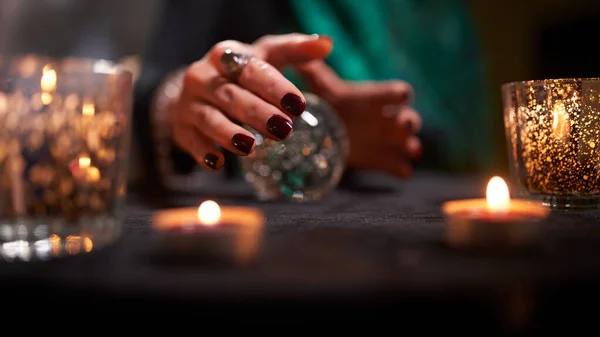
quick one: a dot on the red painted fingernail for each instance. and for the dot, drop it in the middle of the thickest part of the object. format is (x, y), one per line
(242, 142)
(211, 160)
(293, 104)
(279, 126)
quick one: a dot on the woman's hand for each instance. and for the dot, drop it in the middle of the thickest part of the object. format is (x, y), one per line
(241, 82)
(381, 125)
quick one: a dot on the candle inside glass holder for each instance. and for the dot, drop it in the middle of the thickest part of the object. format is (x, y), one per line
(63, 155)
(552, 127)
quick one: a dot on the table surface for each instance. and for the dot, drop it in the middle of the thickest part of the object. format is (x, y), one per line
(382, 238)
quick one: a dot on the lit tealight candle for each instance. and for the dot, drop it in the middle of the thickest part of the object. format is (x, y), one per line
(48, 84)
(211, 232)
(82, 170)
(494, 221)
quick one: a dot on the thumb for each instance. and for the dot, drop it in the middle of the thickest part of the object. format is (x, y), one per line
(292, 49)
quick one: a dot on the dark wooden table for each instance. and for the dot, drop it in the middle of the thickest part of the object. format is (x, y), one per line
(372, 252)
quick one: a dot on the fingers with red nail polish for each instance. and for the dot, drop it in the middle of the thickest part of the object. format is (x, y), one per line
(237, 82)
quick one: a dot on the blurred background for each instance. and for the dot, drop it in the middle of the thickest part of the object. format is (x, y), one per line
(521, 40)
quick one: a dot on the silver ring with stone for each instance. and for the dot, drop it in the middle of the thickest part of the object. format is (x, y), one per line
(234, 63)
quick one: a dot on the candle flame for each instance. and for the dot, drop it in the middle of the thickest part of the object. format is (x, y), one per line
(209, 213)
(497, 194)
(561, 124)
(48, 81)
(88, 109)
(84, 162)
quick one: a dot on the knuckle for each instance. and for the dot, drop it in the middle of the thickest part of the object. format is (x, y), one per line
(256, 66)
(252, 112)
(225, 93)
(195, 77)
(205, 115)
(418, 118)
(402, 88)
(201, 115)
(410, 114)
(409, 117)
(271, 86)
(213, 84)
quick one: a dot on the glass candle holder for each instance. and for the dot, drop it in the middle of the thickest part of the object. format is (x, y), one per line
(553, 134)
(64, 147)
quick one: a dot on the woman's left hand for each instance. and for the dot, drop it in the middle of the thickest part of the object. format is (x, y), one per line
(381, 125)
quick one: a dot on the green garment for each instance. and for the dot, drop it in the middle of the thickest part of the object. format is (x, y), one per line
(428, 43)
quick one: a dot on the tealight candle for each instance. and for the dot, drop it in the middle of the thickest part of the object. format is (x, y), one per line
(496, 221)
(211, 232)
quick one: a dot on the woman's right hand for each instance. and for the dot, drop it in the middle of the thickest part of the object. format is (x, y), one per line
(241, 82)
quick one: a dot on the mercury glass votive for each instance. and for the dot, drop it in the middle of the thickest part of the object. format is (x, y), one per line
(64, 146)
(553, 133)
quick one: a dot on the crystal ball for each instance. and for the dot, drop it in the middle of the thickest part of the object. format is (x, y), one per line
(308, 164)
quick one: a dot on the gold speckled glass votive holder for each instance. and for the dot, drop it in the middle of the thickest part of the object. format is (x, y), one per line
(553, 134)
(64, 146)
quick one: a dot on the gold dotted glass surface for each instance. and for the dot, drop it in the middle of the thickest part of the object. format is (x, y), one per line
(553, 133)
